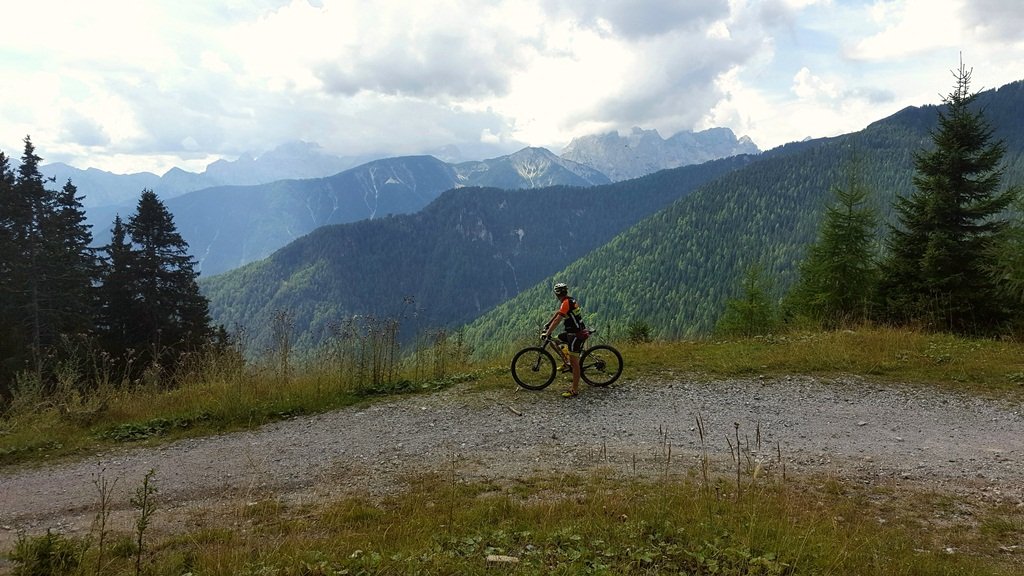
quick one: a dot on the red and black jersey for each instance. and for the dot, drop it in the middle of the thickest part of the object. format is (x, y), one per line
(570, 310)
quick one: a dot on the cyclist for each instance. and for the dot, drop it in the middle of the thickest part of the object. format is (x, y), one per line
(575, 332)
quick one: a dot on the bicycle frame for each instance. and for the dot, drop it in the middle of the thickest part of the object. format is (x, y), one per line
(555, 345)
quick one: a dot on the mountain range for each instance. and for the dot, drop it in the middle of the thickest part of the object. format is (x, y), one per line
(464, 253)
(667, 248)
(228, 226)
(303, 160)
(291, 160)
(641, 152)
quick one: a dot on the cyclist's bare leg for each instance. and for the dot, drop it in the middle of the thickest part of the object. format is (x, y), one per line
(574, 361)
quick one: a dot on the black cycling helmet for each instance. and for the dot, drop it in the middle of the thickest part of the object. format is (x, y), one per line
(561, 289)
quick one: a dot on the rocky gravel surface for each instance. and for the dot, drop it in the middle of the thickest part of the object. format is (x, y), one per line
(849, 427)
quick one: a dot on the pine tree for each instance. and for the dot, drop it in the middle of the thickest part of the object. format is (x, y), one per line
(49, 269)
(942, 245)
(752, 314)
(71, 263)
(29, 209)
(173, 316)
(840, 273)
(117, 303)
(11, 345)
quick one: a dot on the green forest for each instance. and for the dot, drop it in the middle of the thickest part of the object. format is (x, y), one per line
(121, 312)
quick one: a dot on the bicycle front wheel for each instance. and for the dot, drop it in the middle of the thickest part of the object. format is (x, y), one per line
(600, 365)
(533, 368)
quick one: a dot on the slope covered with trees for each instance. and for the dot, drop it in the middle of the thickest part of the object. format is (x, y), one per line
(676, 270)
(469, 250)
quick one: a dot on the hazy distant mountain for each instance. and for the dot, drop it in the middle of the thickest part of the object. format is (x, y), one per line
(644, 151)
(290, 161)
(99, 187)
(228, 226)
(293, 160)
(587, 161)
(528, 168)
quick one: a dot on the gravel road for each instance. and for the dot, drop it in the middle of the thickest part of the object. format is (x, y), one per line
(848, 427)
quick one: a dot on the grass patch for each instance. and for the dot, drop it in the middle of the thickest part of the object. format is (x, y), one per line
(989, 367)
(586, 524)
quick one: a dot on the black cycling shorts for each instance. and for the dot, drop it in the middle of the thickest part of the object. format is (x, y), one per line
(571, 340)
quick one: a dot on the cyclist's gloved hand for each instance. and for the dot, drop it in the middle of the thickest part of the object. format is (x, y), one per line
(544, 334)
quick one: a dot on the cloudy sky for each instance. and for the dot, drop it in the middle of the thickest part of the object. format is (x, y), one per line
(139, 85)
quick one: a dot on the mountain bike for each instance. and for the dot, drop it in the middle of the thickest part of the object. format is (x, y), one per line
(534, 367)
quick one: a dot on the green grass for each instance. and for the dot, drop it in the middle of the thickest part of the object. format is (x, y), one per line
(989, 367)
(589, 524)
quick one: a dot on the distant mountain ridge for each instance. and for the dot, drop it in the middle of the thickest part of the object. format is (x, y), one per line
(528, 168)
(292, 160)
(643, 152)
(229, 226)
(586, 157)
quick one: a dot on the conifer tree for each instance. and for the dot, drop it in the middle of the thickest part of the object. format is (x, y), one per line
(72, 267)
(11, 348)
(117, 302)
(938, 253)
(752, 313)
(49, 269)
(173, 317)
(840, 273)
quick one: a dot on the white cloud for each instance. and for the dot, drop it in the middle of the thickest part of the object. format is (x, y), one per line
(149, 85)
(910, 27)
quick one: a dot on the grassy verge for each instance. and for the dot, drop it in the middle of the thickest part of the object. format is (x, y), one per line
(587, 524)
(988, 367)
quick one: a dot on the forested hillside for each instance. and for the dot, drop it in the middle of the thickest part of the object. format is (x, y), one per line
(229, 226)
(466, 252)
(676, 269)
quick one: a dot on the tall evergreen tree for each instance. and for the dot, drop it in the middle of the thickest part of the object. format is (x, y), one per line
(49, 269)
(29, 209)
(72, 267)
(11, 348)
(938, 253)
(117, 303)
(173, 316)
(840, 273)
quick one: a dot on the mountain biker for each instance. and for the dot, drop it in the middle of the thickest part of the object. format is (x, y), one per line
(575, 332)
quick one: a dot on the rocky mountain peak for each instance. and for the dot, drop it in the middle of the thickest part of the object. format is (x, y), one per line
(641, 151)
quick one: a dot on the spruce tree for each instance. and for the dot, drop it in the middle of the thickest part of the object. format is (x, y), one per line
(117, 302)
(49, 269)
(753, 313)
(839, 275)
(938, 253)
(11, 348)
(173, 317)
(71, 263)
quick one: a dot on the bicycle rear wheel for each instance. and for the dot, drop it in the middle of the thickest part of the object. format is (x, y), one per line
(600, 365)
(533, 368)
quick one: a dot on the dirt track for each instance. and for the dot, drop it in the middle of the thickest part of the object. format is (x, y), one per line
(848, 427)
